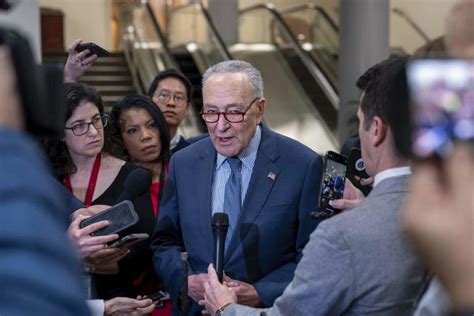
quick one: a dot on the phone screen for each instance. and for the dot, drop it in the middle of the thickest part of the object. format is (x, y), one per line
(332, 185)
(442, 97)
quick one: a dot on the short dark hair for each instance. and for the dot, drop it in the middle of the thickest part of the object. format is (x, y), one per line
(75, 94)
(137, 102)
(172, 73)
(385, 90)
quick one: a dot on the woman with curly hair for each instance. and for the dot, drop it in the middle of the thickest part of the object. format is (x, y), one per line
(86, 168)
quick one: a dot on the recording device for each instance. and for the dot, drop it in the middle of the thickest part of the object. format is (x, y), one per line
(137, 183)
(159, 297)
(93, 49)
(332, 182)
(183, 292)
(441, 108)
(128, 240)
(356, 168)
(120, 217)
(220, 225)
(40, 87)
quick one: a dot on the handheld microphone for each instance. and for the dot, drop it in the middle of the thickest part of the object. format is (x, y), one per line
(183, 292)
(137, 182)
(220, 224)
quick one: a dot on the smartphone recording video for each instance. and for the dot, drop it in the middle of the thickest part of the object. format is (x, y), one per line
(442, 105)
(332, 185)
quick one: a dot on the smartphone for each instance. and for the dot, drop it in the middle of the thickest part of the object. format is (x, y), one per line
(120, 217)
(442, 105)
(332, 182)
(129, 240)
(93, 49)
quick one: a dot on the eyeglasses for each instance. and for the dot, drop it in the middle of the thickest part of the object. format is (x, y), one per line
(232, 117)
(99, 122)
(164, 97)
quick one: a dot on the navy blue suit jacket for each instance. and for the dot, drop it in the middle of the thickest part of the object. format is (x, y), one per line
(39, 273)
(273, 227)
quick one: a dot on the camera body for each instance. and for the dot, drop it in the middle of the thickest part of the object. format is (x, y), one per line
(39, 87)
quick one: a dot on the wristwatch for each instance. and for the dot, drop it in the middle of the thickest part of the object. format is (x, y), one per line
(221, 309)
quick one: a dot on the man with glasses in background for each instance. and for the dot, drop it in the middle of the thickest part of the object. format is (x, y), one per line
(265, 182)
(172, 92)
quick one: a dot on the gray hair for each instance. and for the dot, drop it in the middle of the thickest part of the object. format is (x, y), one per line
(237, 66)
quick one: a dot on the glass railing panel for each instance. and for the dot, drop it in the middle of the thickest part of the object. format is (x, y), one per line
(190, 26)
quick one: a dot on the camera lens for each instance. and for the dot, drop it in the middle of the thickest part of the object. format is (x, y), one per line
(359, 165)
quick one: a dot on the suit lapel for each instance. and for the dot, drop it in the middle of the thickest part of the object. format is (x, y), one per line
(204, 175)
(264, 175)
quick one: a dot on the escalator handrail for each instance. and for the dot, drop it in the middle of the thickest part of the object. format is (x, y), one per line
(169, 59)
(314, 7)
(168, 55)
(411, 22)
(210, 23)
(307, 60)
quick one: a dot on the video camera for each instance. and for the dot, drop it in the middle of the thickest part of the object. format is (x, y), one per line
(39, 87)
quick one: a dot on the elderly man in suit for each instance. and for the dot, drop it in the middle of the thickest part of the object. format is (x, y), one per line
(358, 262)
(269, 216)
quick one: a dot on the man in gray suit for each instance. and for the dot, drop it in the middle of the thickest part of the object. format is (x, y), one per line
(359, 262)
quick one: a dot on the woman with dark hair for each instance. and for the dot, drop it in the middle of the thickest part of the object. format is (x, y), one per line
(96, 177)
(139, 134)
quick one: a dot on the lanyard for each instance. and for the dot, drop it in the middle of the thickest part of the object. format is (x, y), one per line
(92, 182)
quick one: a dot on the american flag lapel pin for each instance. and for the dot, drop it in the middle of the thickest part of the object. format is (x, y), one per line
(271, 176)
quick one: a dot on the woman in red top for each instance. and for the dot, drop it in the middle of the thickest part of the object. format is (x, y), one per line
(140, 135)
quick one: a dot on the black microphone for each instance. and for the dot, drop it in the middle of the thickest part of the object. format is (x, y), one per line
(137, 182)
(220, 224)
(183, 292)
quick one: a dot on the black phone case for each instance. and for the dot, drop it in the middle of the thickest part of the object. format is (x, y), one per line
(330, 155)
(129, 240)
(93, 49)
(120, 217)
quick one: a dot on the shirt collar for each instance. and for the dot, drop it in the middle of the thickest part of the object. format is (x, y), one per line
(175, 140)
(248, 155)
(390, 173)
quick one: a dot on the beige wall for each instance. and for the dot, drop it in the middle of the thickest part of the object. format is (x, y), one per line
(430, 15)
(86, 19)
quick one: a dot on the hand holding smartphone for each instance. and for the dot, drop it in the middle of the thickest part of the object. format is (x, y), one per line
(129, 240)
(119, 216)
(332, 181)
(93, 49)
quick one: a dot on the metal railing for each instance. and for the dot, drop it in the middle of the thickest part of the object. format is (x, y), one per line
(412, 23)
(306, 59)
(209, 22)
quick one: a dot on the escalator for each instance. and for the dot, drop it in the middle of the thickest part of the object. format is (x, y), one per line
(303, 103)
(147, 52)
(195, 44)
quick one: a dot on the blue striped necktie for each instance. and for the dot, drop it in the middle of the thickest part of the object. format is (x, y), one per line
(233, 195)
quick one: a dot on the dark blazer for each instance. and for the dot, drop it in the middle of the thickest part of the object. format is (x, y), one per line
(180, 145)
(273, 227)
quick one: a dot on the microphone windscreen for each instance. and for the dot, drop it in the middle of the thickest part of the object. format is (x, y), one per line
(137, 183)
(220, 220)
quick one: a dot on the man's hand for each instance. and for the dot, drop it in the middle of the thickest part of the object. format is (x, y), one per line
(245, 292)
(128, 306)
(11, 111)
(351, 198)
(216, 294)
(196, 286)
(439, 218)
(86, 244)
(77, 63)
